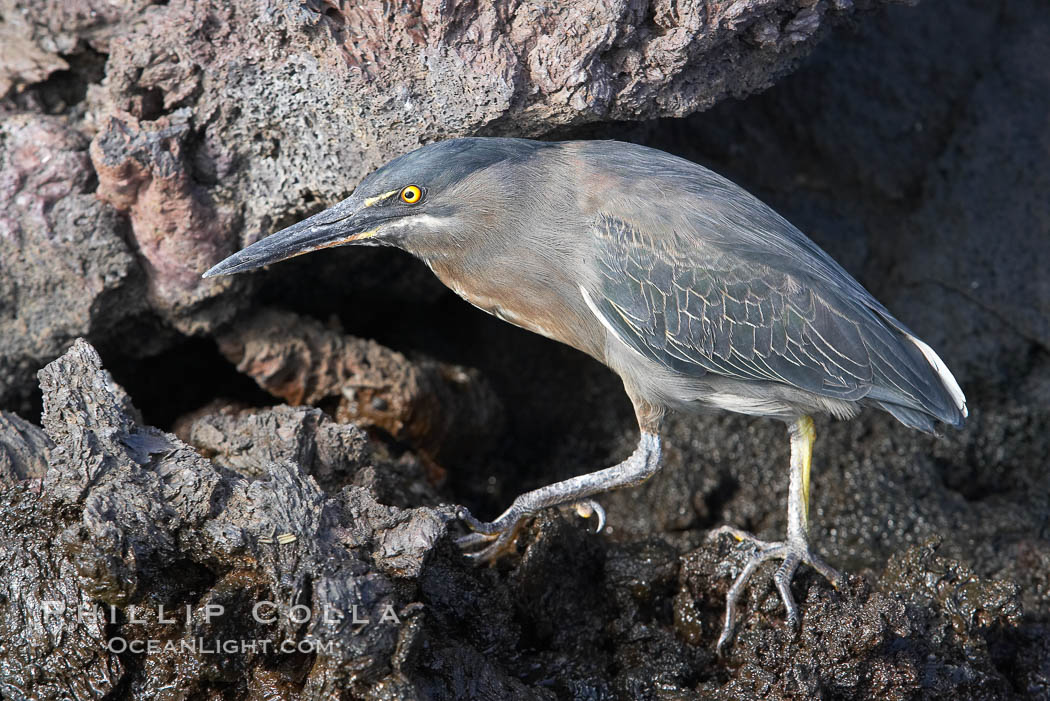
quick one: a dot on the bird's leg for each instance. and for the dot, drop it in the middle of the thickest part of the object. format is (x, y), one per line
(795, 550)
(499, 535)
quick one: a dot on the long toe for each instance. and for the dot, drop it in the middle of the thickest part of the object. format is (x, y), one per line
(782, 578)
(827, 571)
(501, 546)
(480, 527)
(471, 541)
(493, 546)
(489, 540)
(792, 554)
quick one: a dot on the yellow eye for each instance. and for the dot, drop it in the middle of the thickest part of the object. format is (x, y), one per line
(411, 194)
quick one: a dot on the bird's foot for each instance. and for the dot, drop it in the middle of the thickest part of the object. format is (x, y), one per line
(793, 554)
(491, 540)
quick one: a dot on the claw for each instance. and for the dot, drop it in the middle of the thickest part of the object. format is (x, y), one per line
(793, 554)
(738, 534)
(589, 508)
(497, 538)
(463, 514)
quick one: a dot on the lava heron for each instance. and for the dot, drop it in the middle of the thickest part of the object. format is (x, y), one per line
(698, 295)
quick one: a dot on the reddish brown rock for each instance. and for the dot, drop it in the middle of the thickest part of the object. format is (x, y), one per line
(65, 269)
(439, 409)
(177, 228)
(288, 104)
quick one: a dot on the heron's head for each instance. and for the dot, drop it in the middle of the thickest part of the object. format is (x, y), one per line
(429, 202)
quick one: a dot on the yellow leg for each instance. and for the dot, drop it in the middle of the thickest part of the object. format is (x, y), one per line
(803, 436)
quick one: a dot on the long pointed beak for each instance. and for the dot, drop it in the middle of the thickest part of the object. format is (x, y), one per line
(344, 223)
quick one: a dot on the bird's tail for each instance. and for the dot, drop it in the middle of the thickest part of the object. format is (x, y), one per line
(931, 395)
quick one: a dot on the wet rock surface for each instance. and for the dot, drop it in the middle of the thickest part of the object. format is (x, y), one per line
(913, 149)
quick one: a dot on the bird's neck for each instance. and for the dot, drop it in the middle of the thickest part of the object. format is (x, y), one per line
(525, 291)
